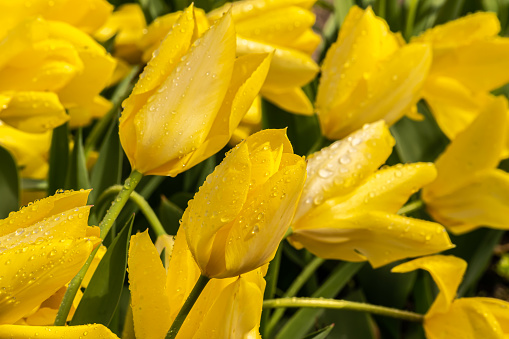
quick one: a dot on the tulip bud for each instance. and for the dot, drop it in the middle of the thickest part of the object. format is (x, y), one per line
(236, 221)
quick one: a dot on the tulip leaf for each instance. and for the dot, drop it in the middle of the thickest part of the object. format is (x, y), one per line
(341, 8)
(304, 319)
(321, 333)
(107, 170)
(77, 176)
(170, 215)
(9, 183)
(450, 10)
(103, 293)
(58, 159)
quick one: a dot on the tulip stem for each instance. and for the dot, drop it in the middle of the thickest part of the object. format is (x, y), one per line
(411, 207)
(410, 19)
(295, 287)
(72, 289)
(342, 304)
(188, 305)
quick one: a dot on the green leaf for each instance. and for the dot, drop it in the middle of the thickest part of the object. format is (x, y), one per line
(77, 176)
(449, 11)
(321, 333)
(341, 8)
(58, 159)
(154, 9)
(304, 319)
(170, 215)
(107, 170)
(9, 183)
(103, 293)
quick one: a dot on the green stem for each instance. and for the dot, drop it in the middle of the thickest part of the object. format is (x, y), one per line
(105, 225)
(121, 92)
(143, 205)
(342, 304)
(381, 8)
(188, 305)
(410, 20)
(72, 289)
(306, 273)
(270, 288)
(411, 207)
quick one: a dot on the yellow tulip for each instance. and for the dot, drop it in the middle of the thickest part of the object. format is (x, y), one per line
(284, 26)
(42, 246)
(470, 192)
(189, 99)
(91, 331)
(250, 123)
(465, 318)
(227, 308)
(46, 66)
(469, 61)
(368, 74)
(348, 208)
(127, 24)
(236, 221)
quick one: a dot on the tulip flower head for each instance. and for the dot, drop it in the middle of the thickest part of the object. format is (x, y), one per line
(465, 318)
(236, 221)
(190, 98)
(348, 208)
(42, 247)
(470, 192)
(367, 75)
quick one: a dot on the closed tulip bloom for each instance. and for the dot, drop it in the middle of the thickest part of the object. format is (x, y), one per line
(42, 247)
(464, 318)
(189, 99)
(284, 26)
(368, 74)
(470, 192)
(469, 61)
(227, 308)
(348, 208)
(236, 221)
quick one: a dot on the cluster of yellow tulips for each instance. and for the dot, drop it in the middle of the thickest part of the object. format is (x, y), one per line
(214, 77)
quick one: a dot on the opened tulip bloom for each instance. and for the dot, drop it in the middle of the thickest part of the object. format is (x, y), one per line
(227, 308)
(42, 247)
(464, 318)
(284, 26)
(348, 208)
(190, 98)
(236, 221)
(469, 61)
(369, 74)
(470, 192)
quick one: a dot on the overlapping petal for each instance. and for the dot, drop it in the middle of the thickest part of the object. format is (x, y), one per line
(92, 331)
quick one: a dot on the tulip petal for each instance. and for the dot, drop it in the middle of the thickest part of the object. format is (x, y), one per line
(147, 281)
(293, 100)
(378, 237)
(36, 271)
(219, 204)
(44, 208)
(446, 271)
(34, 112)
(91, 331)
(198, 91)
(476, 149)
(337, 169)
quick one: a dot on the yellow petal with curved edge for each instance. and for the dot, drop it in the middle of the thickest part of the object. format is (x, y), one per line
(91, 331)
(83, 114)
(476, 149)
(34, 112)
(147, 281)
(499, 310)
(195, 89)
(217, 203)
(264, 220)
(336, 170)
(307, 42)
(378, 237)
(388, 189)
(293, 100)
(182, 274)
(483, 201)
(248, 75)
(446, 271)
(289, 68)
(462, 31)
(34, 272)
(44, 208)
